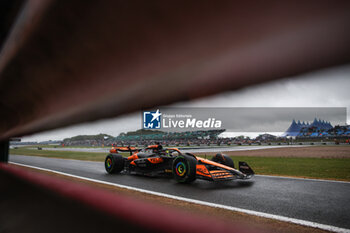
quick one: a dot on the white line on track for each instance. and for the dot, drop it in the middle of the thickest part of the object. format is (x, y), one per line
(250, 212)
(296, 178)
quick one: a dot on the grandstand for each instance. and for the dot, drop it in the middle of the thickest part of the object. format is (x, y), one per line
(146, 137)
(318, 131)
(318, 128)
(159, 135)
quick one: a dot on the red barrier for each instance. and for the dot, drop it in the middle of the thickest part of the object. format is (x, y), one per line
(146, 216)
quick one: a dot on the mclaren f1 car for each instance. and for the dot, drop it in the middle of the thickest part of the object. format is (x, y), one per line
(171, 162)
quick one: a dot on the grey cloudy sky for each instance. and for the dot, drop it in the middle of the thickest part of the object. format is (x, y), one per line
(323, 88)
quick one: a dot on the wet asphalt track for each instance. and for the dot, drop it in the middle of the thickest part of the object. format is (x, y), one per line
(317, 201)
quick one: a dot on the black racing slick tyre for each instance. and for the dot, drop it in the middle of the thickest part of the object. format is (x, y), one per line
(223, 159)
(184, 168)
(114, 163)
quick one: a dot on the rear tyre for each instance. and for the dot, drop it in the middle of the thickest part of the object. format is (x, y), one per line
(184, 168)
(114, 163)
(223, 159)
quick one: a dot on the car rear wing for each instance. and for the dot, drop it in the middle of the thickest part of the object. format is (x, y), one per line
(124, 149)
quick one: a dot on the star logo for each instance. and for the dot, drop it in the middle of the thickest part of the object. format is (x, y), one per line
(156, 115)
(152, 120)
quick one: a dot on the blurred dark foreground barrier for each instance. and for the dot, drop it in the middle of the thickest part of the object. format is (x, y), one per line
(33, 202)
(66, 62)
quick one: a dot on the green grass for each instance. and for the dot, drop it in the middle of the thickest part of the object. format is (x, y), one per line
(60, 154)
(322, 168)
(58, 146)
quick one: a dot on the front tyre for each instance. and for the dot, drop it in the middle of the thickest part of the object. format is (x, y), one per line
(114, 163)
(184, 168)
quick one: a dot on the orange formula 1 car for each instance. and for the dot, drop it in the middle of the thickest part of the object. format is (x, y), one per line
(171, 162)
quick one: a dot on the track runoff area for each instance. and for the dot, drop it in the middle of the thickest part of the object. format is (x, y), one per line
(201, 202)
